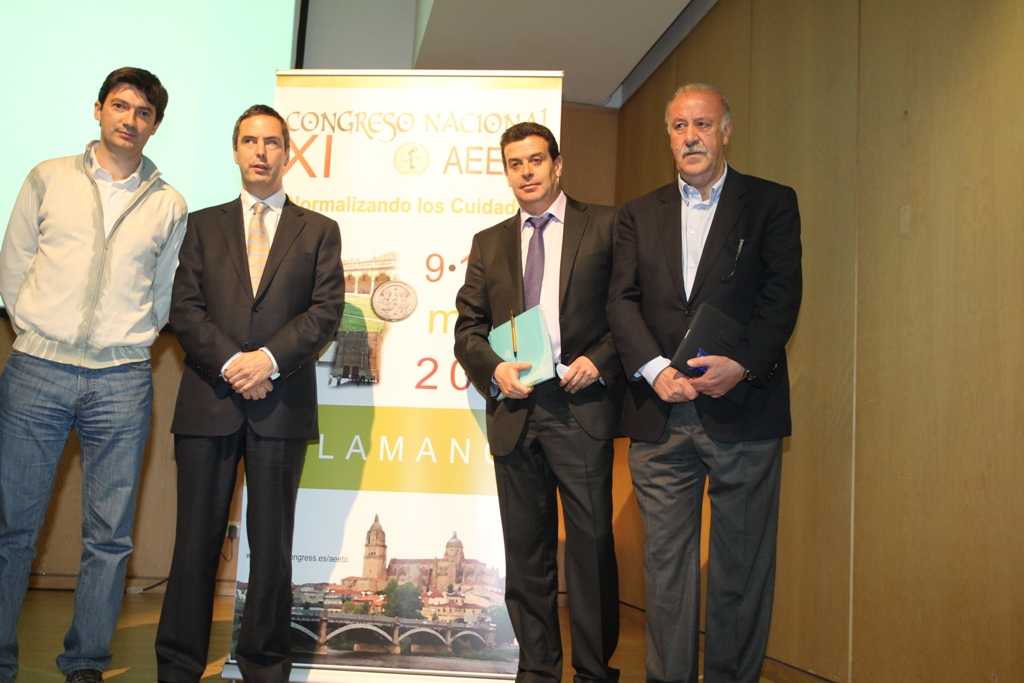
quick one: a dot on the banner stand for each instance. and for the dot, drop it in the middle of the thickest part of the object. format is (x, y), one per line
(398, 561)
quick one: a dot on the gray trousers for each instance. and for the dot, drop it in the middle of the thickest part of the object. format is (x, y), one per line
(743, 486)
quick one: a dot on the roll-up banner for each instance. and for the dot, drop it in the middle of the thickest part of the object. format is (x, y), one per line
(398, 566)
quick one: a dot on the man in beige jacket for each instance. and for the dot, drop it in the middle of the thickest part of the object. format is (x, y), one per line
(85, 275)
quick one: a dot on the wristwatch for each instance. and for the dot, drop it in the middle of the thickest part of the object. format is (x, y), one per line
(748, 376)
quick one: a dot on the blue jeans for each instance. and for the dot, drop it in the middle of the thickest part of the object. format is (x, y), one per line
(40, 402)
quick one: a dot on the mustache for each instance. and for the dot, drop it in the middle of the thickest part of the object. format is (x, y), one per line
(695, 147)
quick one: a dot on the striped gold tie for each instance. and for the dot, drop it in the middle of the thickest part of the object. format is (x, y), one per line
(257, 245)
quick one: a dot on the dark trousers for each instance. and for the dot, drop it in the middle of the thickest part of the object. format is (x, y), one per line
(556, 454)
(207, 468)
(743, 486)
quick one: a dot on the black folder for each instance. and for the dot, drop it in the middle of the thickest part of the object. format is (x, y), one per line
(711, 333)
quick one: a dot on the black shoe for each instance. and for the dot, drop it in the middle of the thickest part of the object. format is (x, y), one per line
(85, 676)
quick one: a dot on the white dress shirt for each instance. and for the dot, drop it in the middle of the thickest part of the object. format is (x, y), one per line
(696, 216)
(271, 217)
(115, 195)
(552, 267)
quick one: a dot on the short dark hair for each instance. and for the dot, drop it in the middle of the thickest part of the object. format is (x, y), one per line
(525, 129)
(261, 110)
(140, 79)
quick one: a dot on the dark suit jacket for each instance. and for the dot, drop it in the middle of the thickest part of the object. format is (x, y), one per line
(649, 312)
(494, 287)
(214, 314)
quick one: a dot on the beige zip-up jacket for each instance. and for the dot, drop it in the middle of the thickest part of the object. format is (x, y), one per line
(74, 295)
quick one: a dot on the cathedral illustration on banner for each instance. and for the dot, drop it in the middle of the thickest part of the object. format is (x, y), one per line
(452, 587)
(434, 575)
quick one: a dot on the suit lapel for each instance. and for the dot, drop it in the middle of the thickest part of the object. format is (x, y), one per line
(288, 228)
(575, 226)
(513, 257)
(730, 206)
(232, 229)
(671, 227)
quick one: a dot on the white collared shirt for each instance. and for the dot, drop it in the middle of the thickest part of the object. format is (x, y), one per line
(271, 215)
(552, 266)
(696, 217)
(115, 195)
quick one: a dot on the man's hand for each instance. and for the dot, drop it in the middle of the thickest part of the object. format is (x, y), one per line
(248, 371)
(507, 377)
(722, 375)
(673, 386)
(259, 391)
(580, 375)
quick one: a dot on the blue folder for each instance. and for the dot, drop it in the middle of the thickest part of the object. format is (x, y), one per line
(533, 344)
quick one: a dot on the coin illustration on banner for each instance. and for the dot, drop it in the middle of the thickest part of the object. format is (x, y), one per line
(393, 301)
(411, 159)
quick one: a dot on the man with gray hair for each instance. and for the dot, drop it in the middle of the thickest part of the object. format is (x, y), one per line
(716, 238)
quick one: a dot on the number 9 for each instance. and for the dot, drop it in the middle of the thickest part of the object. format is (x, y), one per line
(435, 264)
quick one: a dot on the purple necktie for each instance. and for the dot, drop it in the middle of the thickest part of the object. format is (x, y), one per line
(533, 273)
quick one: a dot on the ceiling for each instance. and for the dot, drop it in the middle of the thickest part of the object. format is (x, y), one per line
(607, 48)
(597, 43)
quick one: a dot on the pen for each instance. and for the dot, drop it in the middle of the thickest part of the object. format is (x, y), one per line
(735, 262)
(515, 342)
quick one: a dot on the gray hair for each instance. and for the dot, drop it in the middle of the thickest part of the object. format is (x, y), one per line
(704, 88)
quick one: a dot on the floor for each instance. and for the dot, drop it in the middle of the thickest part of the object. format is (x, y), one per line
(45, 618)
(47, 613)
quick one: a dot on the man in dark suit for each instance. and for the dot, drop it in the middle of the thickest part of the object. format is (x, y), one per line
(258, 294)
(731, 241)
(557, 435)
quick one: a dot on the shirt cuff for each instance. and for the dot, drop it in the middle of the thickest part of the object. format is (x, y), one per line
(227, 363)
(561, 369)
(277, 370)
(652, 368)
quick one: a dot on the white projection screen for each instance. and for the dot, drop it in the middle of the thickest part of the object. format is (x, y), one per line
(214, 58)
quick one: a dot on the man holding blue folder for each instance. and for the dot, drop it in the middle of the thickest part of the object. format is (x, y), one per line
(555, 436)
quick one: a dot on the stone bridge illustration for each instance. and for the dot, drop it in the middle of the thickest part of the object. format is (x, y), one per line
(322, 624)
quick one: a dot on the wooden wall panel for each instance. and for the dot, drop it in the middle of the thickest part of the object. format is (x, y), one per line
(802, 132)
(629, 533)
(794, 110)
(60, 541)
(6, 338)
(717, 52)
(154, 516)
(588, 146)
(938, 542)
(644, 161)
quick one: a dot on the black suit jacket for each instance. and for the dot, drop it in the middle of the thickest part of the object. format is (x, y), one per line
(649, 312)
(494, 287)
(214, 314)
